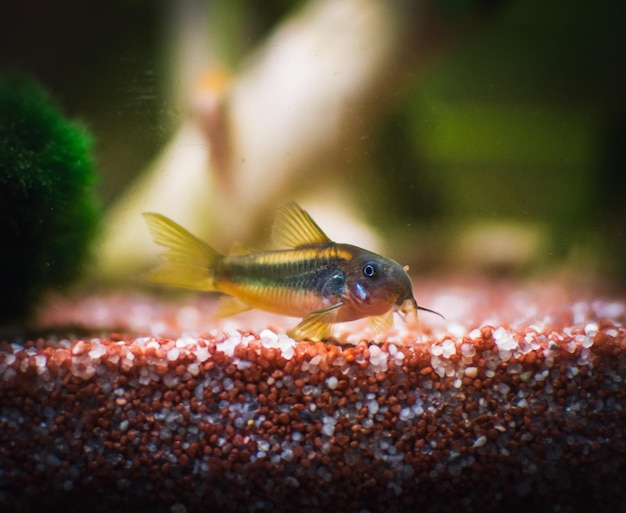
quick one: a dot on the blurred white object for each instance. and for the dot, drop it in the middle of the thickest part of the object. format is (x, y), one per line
(299, 103)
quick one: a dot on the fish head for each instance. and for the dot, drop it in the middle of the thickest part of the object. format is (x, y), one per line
(375, 284)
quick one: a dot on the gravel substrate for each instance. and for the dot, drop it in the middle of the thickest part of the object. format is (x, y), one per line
(480, 415)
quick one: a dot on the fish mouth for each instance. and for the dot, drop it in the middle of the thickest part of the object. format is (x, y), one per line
(408, 306)
(405, 307)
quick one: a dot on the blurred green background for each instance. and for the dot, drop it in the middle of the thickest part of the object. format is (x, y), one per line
(507, 156)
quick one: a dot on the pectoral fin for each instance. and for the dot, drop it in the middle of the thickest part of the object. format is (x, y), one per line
(317, 325)
(381, 323)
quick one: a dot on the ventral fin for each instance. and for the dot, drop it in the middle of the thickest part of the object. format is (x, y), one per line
(317, 325)
(230, 305)
(294, 228)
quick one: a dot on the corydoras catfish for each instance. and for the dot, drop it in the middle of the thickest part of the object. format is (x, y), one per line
(322, 281)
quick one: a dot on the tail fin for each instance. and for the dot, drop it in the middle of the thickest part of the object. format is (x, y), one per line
(188, 262)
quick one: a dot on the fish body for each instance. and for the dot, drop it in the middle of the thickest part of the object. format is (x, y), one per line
(317, 279)
(299, 281)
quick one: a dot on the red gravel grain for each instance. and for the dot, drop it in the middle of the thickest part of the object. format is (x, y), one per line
(494, 409)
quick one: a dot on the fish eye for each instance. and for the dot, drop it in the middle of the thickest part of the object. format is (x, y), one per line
(370, 269)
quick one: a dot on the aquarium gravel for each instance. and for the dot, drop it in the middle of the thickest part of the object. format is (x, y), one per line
(515, 403)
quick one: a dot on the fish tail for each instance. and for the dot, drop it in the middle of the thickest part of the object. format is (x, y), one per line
(188, 262)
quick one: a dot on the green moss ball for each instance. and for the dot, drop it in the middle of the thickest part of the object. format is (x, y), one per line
(48, 208)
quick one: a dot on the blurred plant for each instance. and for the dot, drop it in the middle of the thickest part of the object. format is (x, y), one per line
(509, 135)
(289, 124)
(473, 138)
(48, 211)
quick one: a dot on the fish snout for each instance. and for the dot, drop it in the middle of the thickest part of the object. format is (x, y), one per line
(406, 306)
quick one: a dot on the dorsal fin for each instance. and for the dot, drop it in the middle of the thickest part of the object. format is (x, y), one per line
(294, 228)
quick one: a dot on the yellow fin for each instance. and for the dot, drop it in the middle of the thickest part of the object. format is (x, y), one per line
(230, 305)
(239, 249)
(294, 228)
(381, 323)
(317, 325)
(188, 262)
